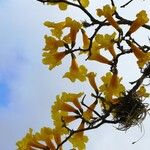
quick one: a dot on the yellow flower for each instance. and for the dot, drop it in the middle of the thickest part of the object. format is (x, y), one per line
(85, 3)
(88, 114)
(53, 59)
(95, 55)
(108, 12)
(57, 113)
(29, 142)
(141, 19)
(61, 109)
(68, 108)
(91, 78)
(61, 5)
(74, 140)
(111, 86)
(52, 44)
(57, 137)
(74, 28)
(46, 135)
(86, 41)
(107, 41)
(70, 118)
(76, 72)
(72, 97)
(56, 28)
(142, 92)
(143, 57)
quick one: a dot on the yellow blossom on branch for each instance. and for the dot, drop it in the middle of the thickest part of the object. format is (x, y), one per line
(108, 12)
(30, 142)
(107, 41)
(53, 59)
(143, 57)
(86, 41)
(95, 54)
(91, 77)
(56, 28)
(76, 72)
(57, 137)
(88, 114)
(74, 28)
(72, 97)
(141, 19)
(85, 3)
(61, 5)
(74, 140)
(46, 135)
(57, 114)
(61, 108)
(52, 44)
(111, 86)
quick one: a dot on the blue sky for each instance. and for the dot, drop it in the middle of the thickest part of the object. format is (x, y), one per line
(4, 93)
(28, 88)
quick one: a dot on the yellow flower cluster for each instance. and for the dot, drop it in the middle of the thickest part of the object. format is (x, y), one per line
(68, 107)
(52, 56)
(108, 12)
(45, 139)
(141, 19)
(107, 41)
(111, 86)
(85, 3)
(96, 56)
(80, 145)
(143, 57)
(76, 72)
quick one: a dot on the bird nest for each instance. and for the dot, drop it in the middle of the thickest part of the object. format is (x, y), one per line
(130, 111)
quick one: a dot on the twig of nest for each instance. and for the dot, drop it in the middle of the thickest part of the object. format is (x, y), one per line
(130, 111)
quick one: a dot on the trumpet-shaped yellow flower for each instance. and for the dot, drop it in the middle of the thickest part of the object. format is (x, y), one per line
(143, 57)
(95, 54)
(74, 140)
(56, 28)
(72, 97)
(91, 78)
(52, 44)
(53, 59)
(57, 137)
(86, 41)
(62, 6)
(29, 142)
(74, 28)
(88, 114)
(111, 86)
(61, 108)
(107, 41)
(141, 19)
(46, 135)
(85, 3)
(57, 114)
(76, 72)
(108, 12)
